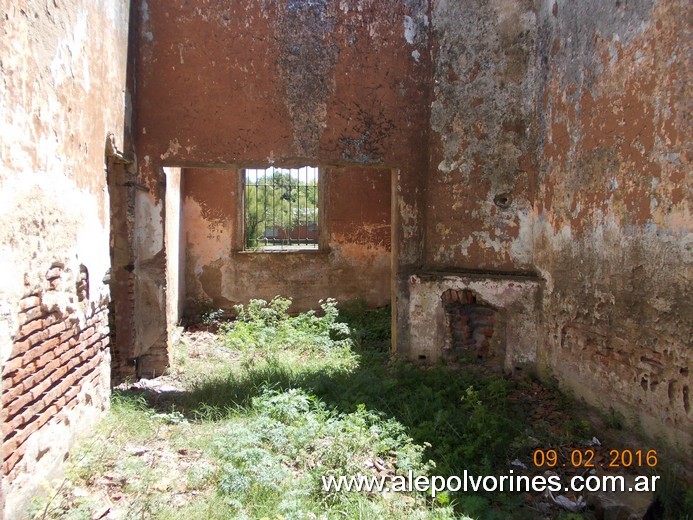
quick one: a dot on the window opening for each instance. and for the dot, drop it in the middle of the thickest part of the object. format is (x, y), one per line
(281, 209)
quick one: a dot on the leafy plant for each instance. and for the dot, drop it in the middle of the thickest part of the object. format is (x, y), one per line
(266, 327)
(285, 400)
(370, 328)
(615, 419)
(291, 438)
(201, 311)
(212, 316)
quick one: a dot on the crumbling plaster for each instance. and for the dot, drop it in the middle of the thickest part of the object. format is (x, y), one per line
(355, 261)
(560, 148)
(515, 299)
(539, 150)
(233, 86)
(480, 187)
(175, 261)
(535, 138)
(613, 235)
(62, 80)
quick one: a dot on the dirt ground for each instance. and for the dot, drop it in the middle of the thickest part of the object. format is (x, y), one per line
(153, 467)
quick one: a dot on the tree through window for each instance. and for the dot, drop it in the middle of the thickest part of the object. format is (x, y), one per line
(281, 209)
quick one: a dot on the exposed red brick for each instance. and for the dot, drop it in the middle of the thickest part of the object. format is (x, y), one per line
(12, 365)
(51, 318)
(20, 348)
(70, 332)
(29, 328)
(51, 367)
(11, 393)
(46, 416)
(29, 315)
(29, 302)
(44, 359)
(38, 389)
(17, 404)
(60, 402)
(27, 417)
(15, 423)
(97, 317)
(71, 402)
(61, 348)
(87, 333)
(14, 456)
(18, 376)
(56, 329)
(7, 428)
(10, 446)
(60, 372)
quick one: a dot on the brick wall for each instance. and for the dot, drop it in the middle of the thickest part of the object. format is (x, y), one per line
(488, 319)
(54, 355)
(121, 281)
(470, 326)
(65, 100)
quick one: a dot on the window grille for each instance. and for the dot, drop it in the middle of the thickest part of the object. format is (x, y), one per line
(281, 209)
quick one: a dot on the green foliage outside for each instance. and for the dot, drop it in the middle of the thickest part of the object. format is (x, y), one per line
(278, 200)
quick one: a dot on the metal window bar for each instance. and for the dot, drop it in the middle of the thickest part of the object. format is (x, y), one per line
(279, 220)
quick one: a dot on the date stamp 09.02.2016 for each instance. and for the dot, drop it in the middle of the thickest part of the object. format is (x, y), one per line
(588, 458)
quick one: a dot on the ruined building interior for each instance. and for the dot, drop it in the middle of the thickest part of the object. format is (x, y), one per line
(523, 166)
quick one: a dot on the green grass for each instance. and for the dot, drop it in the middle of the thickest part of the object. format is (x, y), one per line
(468, 415)
(458, 421)
(276, 402)
(256, 443)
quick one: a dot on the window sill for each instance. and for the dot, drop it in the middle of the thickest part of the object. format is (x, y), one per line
(283, 252)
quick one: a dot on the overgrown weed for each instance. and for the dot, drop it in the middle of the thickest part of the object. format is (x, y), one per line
(460, 421)
(280, 401)
(264, 327)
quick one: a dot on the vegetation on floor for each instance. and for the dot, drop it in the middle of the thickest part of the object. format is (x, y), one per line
(275, 402)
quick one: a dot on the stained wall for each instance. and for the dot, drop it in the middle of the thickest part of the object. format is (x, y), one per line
(540, 144)
(537, 155)
(62, 92)
(614, 233)
(480, 184)
(354, 260)
(175, 261)
(481, 181)
(246, 84)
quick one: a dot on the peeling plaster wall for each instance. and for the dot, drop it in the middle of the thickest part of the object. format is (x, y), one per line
(482, 143)
(481, 183)
(515, 299)
(355, 264)
(614, 235)
(150, 315)
(62, 71)
(536, 137)
(121, 174)
(267, 81)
